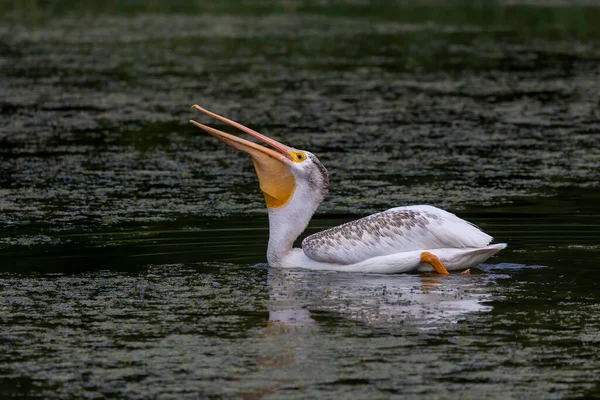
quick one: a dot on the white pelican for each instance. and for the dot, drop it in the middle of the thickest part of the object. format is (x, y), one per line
(403, 239)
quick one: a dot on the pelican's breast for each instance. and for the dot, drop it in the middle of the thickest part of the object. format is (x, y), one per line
(396, 230)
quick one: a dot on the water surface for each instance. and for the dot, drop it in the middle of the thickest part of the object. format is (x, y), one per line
(132, 245)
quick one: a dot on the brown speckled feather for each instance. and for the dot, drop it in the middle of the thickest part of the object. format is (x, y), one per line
(393, 231)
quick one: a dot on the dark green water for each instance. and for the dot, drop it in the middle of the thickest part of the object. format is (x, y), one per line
(132, 245)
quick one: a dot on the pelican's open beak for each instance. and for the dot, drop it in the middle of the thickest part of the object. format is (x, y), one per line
(273, 168)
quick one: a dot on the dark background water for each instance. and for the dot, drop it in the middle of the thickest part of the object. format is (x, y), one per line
(132, 245)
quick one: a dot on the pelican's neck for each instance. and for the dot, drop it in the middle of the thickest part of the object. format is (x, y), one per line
(285, 225)
(288, 222)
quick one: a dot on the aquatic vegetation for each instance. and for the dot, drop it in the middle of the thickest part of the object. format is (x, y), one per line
(131, 246)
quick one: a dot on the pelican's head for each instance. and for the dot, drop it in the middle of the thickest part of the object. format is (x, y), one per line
(285, 174)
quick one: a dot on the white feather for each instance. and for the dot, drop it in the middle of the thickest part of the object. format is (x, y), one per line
(397, 230)
(410, 261)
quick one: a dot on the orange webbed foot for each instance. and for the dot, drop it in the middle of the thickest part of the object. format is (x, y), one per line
(434, 261)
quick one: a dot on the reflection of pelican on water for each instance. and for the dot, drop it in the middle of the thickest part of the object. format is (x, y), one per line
(408, 299)
(402, 239)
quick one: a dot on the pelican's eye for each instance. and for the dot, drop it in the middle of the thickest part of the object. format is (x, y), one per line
(298, 156)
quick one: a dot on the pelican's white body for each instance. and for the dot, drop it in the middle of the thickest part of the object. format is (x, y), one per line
(410, 261)
(388, 249)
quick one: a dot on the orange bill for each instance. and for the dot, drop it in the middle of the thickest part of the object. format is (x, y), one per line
(273, 168)
(271, 142)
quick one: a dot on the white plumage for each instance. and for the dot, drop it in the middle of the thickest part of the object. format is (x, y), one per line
(396, 230)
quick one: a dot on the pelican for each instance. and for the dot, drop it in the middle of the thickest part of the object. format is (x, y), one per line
(403, 239)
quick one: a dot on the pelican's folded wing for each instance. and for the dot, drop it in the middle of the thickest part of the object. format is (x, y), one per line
(393, 231)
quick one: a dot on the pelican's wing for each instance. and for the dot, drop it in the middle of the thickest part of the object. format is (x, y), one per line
(393, 231)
